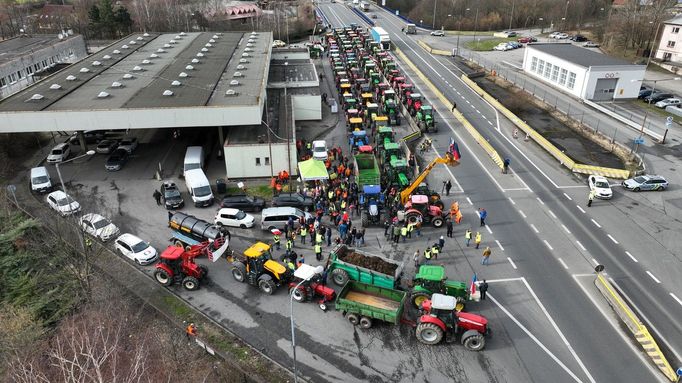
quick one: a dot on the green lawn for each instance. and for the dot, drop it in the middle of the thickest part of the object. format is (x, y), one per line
(487, 44)
(653, 109)
(469, 33)
(263, 191)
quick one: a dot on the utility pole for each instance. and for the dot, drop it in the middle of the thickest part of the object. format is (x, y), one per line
(566, 14)
(435, 3)
(512, 14)
(475, 27)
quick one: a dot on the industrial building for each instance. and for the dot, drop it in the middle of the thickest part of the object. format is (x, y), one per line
(583, 73)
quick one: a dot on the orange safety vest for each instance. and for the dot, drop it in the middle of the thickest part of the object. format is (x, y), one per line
(192, 330)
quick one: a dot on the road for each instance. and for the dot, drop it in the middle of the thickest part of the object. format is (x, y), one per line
(555, 240)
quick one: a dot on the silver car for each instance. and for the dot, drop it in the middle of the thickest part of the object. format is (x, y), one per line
(646, 182)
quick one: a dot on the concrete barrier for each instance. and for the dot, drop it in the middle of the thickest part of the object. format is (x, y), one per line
(429, 49)
(624, 120)
(467, 125)
(634, 324)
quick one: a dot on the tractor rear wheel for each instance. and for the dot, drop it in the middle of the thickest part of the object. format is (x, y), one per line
(437, 222)
(239, 271)
(162, 277)
(473, 340)
(298, 294)
(429, 333)
(353, 319)
(365, 323)
(340, 276)
(412, 218)
(266, 285)
(418, 298)
(190, 283)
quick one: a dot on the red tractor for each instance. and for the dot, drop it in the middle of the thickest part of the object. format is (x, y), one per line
(420, 209)
(438, 319)
(308, 285)
(405, 90)
(177, 264)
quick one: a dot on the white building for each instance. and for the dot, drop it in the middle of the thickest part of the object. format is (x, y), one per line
(582, 72)
(670, 46)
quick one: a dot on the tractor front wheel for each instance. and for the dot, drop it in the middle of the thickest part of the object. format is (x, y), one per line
(162, 277)
(429, 333)
(364, 220)
(473, 340)
(190, 283)
(239, 271)
(267, 286)
(340, 277)
(298, 294)
(418, 298)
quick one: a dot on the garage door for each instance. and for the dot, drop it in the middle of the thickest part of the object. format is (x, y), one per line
(605, 89)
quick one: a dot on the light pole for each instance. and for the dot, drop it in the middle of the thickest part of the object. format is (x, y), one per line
(566, 14)
(305, 272)
(56, 165)
(648, 61)
(435, 3)
(460, 28)
(542, 25)
(475, 27)
(511, 17)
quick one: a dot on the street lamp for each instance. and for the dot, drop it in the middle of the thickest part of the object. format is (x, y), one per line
(542, 25)
(305, 272)
(56, 165)
(460, 28)
(566, 14)
(475, 26)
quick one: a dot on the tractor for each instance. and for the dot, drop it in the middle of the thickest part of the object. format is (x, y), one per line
(362, 85)
(396, 173)
(419, 208)
(431, 279)
(371, 110)
(257, 268)
(355, 124)
(370, 68)
(434, 197)
(352, 113)
(391, 109)
(396, 82)
(367, 98)
(405, 91)
(308, 283)
(384, 134)
(439, 319)
(414, 103)
(387, 94)
(390, 151)
(379, 90)
(357, 139)
(425, 119)
(372, 201)
(391, 75)
(176, 264)
(379, 121)
(344, 86)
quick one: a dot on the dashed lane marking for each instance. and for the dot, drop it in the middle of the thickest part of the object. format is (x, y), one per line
(653, 277)
(522, 214)
(563, 263)
(512, 263)
(469, 200)
(611, 238)
(631, 256)
(676, 298)
(539, 200)
(580, 208)
(595, 222)
(565, 228)
(512, 201)
(548, 245)
(568, 196)
(581, 245)
(488, 228)
(535, 229)
(552, 214)
(595, 262)
(499, 245)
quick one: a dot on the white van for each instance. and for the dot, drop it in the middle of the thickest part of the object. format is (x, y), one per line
(277, 217)
(199, 188)
(194, 158)
(59, 153)
(40, 180)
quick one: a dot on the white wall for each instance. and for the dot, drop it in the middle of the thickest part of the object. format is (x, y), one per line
(307, 107)
(667, 36)
(570, 67)
(625, 88)
(240, 160)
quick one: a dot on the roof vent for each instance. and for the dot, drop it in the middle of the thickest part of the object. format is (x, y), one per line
(234, 82)
(128, 76)
(200, 54)
(153, 56)
(167, 46)
(103, 95)
(237, 74)
(230, 92)
(176, 83)
(254, 33)
(189, 67)
(208, 45)
(137, 68)
(167, 92)
(241, 67)
(84, 70)
(251, 41)
(70, 78)
(116, 52)
(55, 87)
(124, 46)
(204, 49)
(96, 63)
(106, 57)
(139, 38)
(245, 54)
(132, 42)
(146, 62)
(173, 41)
(116, 84)
(248, 50)
(243, 61)
(195, 61)
(249, 45)
(161, 50)
(36, 97)
(146, 34)
(182, 74)
(178, 37)
(215, 37)
(183, 34)
(211, 41)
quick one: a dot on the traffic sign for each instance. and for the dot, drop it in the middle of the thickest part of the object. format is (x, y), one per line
(639, 141)
(669, 121)
(679, 371)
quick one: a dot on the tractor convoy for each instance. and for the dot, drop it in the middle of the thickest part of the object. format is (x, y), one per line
(373, 95)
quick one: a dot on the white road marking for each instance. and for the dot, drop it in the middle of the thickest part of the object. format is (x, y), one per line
(468, 102)
(512, 263)
(552, 214)
(611, 238)
(469, 200)
(491, 124)
(565, 228)
(631, 256)
(568, 196)
(539, 200)
(478, 111)
(512, 201)
(653, 277)
(535, 229)
(548, 245)
(676, 298)
(580, 208)
(499, 245)
(485, 118)
(595, 222)
(595, 262)
(488, 227)
(581, 245)
(504, 280)
(522, 215)
(563, 263)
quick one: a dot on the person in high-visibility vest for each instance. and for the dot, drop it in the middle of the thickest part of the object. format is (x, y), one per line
(410, 229)
(304, 233)
(275, 239)
(318, 237)
(434, 251)
(467, 236)
(403, 233)
(289, 244)
(318, 252)
(478, 239)
(427, 255)
(191, 330)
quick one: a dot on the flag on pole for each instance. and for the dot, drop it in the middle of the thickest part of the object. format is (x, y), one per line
(473, 284)
(455, 151)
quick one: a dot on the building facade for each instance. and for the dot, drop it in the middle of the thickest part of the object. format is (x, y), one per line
(670, 46)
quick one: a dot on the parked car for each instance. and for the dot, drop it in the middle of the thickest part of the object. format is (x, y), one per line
(116, 160)
(233, 218)
(591, 44)
(98, 226)
(170, 195)
(59, 153)
(243, 202)
(646, 182)
(509, 33)
(578, 38)
(644, 93)
(279, 44)
(502, 47)
(562, 36)
(128, 143)
(656, 97)
(62, 203)
(668, 102)
(106, 146)
(91, 137)
(515, 45)
(527, 39)
(601, 187)
(439, 33)
(135, 249)
(554, 35)
(320, 150)
(293, 199)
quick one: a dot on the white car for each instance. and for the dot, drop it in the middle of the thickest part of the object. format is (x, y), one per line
(439, 32)
(502, 47)
(129, 144)
(554, 35)
(320, 150)
(562, 36)
(59, 153)
(135, 249)
(279, 44)
(234, 217)
(98, 226)
(668, 102)
(62, 203)
(601, 187)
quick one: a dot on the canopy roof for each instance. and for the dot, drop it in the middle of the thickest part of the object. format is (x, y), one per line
(312, 170)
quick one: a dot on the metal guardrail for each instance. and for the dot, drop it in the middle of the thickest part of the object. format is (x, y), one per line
(626, 121)
(362, 15)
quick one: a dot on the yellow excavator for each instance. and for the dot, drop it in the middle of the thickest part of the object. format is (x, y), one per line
(448, 159)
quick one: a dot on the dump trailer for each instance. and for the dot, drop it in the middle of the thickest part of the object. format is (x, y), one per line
(366, 169)
(360, 303)
(380, 36)
(356, 265)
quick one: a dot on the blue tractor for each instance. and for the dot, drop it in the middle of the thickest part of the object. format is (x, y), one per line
(371, 202)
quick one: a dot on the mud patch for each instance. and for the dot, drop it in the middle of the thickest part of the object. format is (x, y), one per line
(369, 262)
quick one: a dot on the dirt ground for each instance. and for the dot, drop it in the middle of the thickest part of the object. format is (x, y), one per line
(369, 262)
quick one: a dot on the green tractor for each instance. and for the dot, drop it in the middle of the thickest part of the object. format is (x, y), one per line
(425, 119)
(389, 151)
(391, 110)
(383, 136)
(396, 173)
(431, 279)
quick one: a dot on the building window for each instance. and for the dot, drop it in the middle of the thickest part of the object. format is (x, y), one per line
(548, 70)
(676, 29)
(257, 161)
(12, 78)
(571, 80)
(555, 73)
(20, 74)
(534, 64)
(541, 66)
(267, 161)
(562, 77)
(3, 82)
(671, 44)
(29, 70)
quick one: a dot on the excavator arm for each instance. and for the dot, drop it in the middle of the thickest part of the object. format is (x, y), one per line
(447, 160)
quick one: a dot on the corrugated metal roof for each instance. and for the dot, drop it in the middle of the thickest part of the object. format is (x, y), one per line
(579, 56)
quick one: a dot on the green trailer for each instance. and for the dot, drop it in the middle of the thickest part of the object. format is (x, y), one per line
(347, 264)
(366, 170)
(361, 303)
